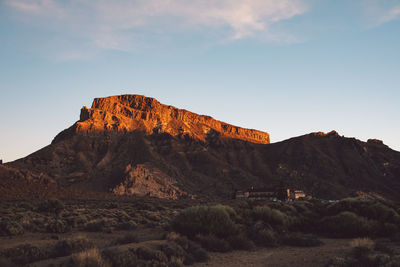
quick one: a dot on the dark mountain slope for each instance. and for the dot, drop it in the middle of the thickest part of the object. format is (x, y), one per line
(331, 166)
(132, 145)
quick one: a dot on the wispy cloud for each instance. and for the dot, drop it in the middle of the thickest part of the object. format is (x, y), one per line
(115, 24)
(381, 11)
(390, 15)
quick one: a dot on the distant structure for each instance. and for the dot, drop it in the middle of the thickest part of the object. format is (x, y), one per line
(273, 194)
(295, 194)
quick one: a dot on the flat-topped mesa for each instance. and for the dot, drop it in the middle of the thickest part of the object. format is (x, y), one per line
(126, 113)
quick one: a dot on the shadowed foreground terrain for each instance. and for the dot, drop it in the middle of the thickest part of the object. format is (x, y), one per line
(154, 232)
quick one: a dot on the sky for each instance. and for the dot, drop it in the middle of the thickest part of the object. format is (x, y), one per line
(287, 67)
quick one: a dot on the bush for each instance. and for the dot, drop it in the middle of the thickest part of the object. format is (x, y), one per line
(10, 229)
(206, 220)
(73, 245)
(175, 262)
(173, 250)
(263, 235)
(194, 252)
(199, 254)
(146, 253)
(363, 242)
(362, 246)
(120, 258)
(348, 224)
(213, 243)
(88, 258)
(58, 226)
(51, 205)
(272, 216)
(23, 254)
(369, 208)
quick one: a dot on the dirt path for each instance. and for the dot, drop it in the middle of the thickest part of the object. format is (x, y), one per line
(282, 256)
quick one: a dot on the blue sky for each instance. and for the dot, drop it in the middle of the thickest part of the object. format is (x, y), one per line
(287, 67)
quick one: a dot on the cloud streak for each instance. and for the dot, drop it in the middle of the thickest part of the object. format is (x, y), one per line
(390, 15)
(381, 11)
(115, 24)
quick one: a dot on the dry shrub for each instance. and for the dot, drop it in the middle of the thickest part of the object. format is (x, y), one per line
(205, 220)
(95, 225)
(72, 245)
(119, 257)
(348, 224)
(24, 253)
(271, 216)
(88, 258)
(149, 254)
(362, 247)
(57, 226)
(51, 205)
(175, 262)
(172, 236)
(185, 249)
(365, 242)
(264, 235)
(10, 229)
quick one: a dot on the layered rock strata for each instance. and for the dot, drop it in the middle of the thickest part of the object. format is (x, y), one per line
(127, 113)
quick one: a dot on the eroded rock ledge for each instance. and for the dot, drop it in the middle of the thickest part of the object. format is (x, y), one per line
(126, 113)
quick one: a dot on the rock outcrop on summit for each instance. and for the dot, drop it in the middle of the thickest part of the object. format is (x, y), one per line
(128, 113)
(133, 145)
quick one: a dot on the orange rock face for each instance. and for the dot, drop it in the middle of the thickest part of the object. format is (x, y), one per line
(136, 112)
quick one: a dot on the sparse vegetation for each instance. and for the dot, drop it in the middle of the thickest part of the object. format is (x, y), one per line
(365, 253)
(208, 220)
(51, 205)
(119, 258)
(271, 216)
(348, 224)
(8, 228)
(124, 231)
(72, 245)
(88, 258)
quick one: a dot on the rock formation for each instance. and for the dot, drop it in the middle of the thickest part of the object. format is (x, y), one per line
(144, 180)
(128, 113)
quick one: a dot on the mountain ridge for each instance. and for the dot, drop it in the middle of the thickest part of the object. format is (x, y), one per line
(132, 155)
(126, 113)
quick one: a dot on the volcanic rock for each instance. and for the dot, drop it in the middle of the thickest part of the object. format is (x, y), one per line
(128, 113)
(144, 180)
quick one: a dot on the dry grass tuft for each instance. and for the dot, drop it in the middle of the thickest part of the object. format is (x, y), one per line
(365, 243)
(88, 258)
(172, 236)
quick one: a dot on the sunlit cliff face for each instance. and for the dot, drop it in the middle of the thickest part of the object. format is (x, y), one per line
(136, 112)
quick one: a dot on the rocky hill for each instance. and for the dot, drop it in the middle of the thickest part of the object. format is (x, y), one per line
(134, 145)
(127, 113)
